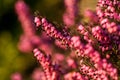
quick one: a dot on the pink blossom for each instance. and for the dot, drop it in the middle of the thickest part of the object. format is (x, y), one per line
(16, 76)
(70, 13)
(45, 61)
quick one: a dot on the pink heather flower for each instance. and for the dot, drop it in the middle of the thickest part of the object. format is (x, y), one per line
(74, 76)
(58, 57)
(82, 49)
(89, 51)
(50, 30)
(78, 76)
(25, 18)
(28, 40)
(75, 41)
(70, 13)
(76, 44)
(85, 33)
(100, 34)
(81, 29)
(109, 8)
(108, 13)
(60, 45)
(38, 75)
(71, 63)
(37, 21)
(103, 37)
(50, 70)
(68, 20)
(27, 44)
(45, 43)
(90, 72)
(105, 32)
(16, 76)
(24, 44)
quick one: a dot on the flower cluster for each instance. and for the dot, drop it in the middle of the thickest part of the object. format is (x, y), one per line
(50, 30)
(96, 45)
(71, 12)
(28, 40)
(108, 12)
(50, 70)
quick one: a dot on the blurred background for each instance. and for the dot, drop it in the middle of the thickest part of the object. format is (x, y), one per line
(11, 59)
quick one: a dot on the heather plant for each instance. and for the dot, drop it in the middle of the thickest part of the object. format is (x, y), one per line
(77, 49)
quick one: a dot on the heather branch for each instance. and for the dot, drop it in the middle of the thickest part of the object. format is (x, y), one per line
(83, 50)
(51, 71)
